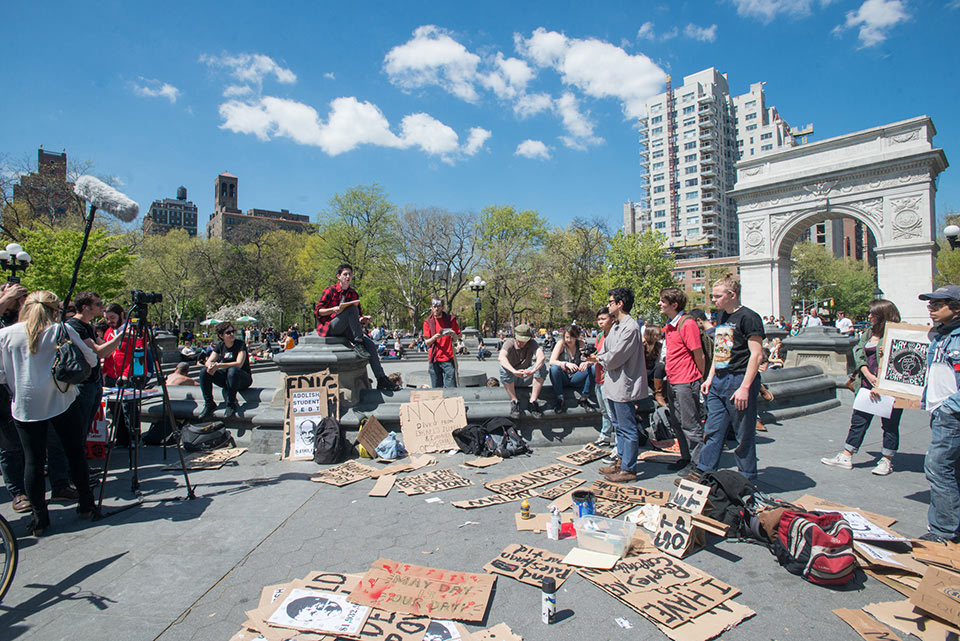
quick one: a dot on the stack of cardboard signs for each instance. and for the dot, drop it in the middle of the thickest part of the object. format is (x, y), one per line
(391, 602)
(308, 398)
(517, 487)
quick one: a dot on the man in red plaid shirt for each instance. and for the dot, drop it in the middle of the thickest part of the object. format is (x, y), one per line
(338, 314)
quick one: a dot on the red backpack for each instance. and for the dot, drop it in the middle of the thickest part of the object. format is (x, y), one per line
(816, 546)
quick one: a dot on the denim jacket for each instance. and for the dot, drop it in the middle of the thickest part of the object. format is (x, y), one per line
(946, 348)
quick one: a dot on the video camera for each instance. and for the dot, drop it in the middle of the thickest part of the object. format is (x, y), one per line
(588, 350)
(140, 297)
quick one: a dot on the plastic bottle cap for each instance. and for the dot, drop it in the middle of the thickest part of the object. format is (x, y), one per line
(549, 585)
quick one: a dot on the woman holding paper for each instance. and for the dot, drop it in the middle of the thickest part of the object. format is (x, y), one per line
(866, 358)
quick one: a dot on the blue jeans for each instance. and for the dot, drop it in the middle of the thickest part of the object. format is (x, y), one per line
(624, 417)
(940, 466)
(232, 380)
(443, 374)
(721, 413)
(559, 378)
(606, 425)
(859, 423)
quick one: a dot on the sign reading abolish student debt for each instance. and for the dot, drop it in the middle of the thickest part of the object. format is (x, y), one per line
(425, 591)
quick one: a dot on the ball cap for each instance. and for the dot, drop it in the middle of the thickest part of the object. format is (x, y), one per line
(523, 332)
(947, 292)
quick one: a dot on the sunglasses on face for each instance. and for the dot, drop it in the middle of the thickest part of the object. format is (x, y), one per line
(230, 331)
(934, 305)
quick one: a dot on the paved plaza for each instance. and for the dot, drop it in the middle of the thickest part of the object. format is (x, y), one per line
(188, 570)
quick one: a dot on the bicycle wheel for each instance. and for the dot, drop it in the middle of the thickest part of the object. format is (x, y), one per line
(8, 557)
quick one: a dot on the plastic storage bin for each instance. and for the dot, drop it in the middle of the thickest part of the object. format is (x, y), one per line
(600, 534)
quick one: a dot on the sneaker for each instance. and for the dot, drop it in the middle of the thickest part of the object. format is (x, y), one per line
(846, 462)
(602, 442)
(64, 495)
(535, 408)
(680, 465)
(231, 410)
(687, 471)
(514, 409)
(621, 476)
(587, 404)
(361, 351)
(884, 467)
(612, 468)
(21, 503)
(674, 448)
(559, 407)
(207, 411)
(385, 384)
(695, 476)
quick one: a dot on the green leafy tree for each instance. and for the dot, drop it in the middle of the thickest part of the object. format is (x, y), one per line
(578, 252)
(167, 263)
(54, 252)
(818, 277)
(948, 264)
(640, 262)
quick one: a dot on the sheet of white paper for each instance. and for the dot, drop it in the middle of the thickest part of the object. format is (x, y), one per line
(864, 530)
(590, 559)
(880, 554)
(883, 407)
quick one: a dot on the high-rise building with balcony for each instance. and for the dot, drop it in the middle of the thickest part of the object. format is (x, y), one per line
(690, 140)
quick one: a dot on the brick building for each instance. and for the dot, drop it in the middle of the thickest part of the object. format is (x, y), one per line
(47, 193)
(230, 223)
(170, 213)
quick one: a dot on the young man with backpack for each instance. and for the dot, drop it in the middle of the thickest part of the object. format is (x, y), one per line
(439, 330)
(685, 367)
(732, 386)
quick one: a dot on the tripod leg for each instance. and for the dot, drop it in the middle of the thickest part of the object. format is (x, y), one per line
(168, 411)
(111, 433)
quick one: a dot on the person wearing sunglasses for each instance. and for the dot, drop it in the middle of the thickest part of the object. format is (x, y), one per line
(942, 399)
(228, 366)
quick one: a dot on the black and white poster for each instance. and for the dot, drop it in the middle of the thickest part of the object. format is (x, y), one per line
(903, 364)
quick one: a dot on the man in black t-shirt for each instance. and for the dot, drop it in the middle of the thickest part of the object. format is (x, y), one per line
(732, 386)
(228, 366)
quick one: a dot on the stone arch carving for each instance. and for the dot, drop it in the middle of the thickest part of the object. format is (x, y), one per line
(884, 177)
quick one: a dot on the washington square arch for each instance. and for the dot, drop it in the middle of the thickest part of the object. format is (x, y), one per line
(884, 177)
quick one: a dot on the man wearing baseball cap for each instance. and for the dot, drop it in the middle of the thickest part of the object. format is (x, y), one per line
(516, 357)
(942, 399)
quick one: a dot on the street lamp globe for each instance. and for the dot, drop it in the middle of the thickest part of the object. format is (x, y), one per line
(952, 232)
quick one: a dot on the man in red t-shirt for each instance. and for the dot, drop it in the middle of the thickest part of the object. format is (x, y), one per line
(685, 365)
(439, 330)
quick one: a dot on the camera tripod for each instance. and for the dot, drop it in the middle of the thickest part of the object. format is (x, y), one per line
(139, 338)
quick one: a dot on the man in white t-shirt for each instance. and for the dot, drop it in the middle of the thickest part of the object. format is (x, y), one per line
(844, 324)
(812, 319)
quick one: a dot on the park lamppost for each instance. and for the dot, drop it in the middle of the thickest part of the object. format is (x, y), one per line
(14, 259)
(952, 232)
(477, 286)
(877, 293)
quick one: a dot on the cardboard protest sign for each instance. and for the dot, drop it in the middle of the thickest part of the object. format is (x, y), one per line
(864, 530)
(318, 380)
(428, 426)
(343, 474)
(609, 509)
(654, 570)
(418, 395)
(493, 499)
(307, 399)
(944, 555)
(499, 632)
(680, 603)
(316, 611)
(690, 497)
(300, 436)
(212, 460)
(905, 617)
(561, 488)
(424, 591)
(564, 502)
(903, 364)
(484, 461)
(866, 626)
(810, 502)
(529, 480)
(629, 493)
(939, 594)
(529, 565)
(884, 558)
(675, 532)
(371, 435)
(537, 522)
(435, 481)
(383, 486)
(587, 454)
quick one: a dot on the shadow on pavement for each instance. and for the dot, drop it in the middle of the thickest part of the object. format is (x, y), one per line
(781, 479)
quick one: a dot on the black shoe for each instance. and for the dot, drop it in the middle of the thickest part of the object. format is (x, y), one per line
(933, 538)
(385, 384)
(207, 411)
(361, 351)
(535, 408)
(679, 465)
(231, 410)
(695, 476)
(559, 407)
(587, 404)
(514, 409)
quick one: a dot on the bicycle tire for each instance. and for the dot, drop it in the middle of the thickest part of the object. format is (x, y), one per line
(9, 552)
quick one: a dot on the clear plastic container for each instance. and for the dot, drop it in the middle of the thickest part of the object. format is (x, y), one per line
(600, 534)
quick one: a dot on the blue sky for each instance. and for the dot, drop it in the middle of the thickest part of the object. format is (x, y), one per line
(444, 104)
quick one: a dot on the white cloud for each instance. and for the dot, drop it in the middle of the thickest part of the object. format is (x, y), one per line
(670, 34)
(432, 57)
(533, 149)
(953, 4)
(646, 31)
(767, 10)
(532, 104)
(330, 75)
(875, 18)
(703, 34)
(510, 77)
(251, 67)
(476, 140)
(349, 124)
(235, 91)
(151, 88)
(599, 69)
(578, 125)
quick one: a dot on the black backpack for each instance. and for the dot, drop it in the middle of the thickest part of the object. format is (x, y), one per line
(470, 439)
(738, 503)
(329, 442)
(206, 437)
(502, 439)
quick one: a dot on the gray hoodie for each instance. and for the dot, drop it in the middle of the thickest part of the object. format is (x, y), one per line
(623, 361)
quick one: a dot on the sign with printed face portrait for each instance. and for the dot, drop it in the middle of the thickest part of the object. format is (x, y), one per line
(903, 360)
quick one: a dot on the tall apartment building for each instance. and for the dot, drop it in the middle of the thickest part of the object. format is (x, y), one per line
(47, 193)
(690, 140)
(233, 225)
(171, 213)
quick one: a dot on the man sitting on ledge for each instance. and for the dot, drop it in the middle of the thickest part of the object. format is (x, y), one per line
(338, 314)
(516, 357)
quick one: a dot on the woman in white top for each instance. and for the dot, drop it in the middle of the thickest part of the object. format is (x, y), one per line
(27, 350)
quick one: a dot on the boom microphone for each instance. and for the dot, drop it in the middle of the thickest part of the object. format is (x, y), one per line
(104, 197)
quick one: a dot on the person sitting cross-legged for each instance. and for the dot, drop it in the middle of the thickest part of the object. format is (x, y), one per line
(228, 366)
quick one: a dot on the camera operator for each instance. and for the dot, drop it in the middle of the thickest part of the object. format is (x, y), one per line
(27, 350)
(229, 367)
